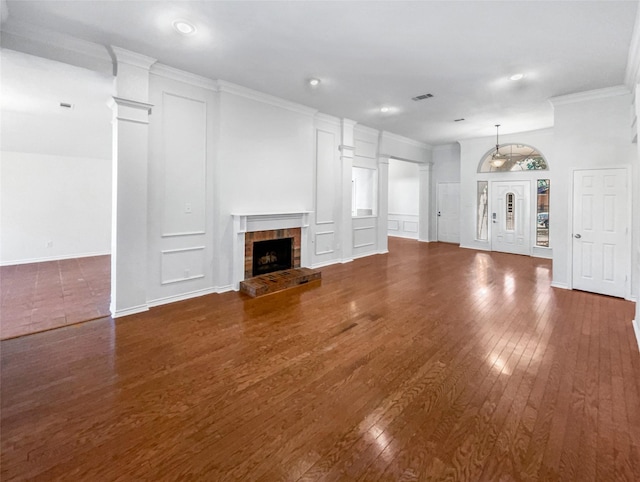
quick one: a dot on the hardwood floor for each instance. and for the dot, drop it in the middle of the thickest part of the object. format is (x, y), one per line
(429, 363)
(42, 296)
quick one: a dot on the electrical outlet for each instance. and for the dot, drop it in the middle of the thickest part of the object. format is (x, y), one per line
(187, 208)
(49, 244)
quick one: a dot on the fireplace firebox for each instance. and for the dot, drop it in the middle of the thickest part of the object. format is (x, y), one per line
(272, 255)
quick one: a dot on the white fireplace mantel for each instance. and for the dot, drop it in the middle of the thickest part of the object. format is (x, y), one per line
(250, 222)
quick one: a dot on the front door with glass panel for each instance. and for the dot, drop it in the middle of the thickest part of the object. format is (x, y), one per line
(509, 220)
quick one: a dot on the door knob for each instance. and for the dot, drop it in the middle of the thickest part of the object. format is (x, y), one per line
(577, 236)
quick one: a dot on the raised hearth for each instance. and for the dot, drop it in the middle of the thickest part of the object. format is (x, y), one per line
(248, 228)
(278, 281)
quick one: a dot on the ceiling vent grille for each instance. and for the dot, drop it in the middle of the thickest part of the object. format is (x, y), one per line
(422, 97)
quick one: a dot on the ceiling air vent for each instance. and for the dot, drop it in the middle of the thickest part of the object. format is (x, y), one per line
(66, 105)
(422, 97)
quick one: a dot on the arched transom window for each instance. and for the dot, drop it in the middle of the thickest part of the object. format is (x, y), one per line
(513, 157)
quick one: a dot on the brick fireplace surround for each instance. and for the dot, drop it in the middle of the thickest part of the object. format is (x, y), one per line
(250, 238)
(259, 227)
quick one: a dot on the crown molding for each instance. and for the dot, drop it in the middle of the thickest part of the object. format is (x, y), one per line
(132, 58)
(329, 119)
(446, 147)
(366, 130)
(230, 88)
(590, 95)
(633, 59)
(42, 42)
(4, 11)
(405, 140)
(172, 73)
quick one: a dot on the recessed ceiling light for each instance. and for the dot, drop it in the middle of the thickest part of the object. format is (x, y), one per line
(516, 77)
(183, 27)
(384, 109)
(314, 82)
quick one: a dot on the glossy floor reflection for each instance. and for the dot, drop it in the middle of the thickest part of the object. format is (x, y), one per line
(429, 362)
(42, 296)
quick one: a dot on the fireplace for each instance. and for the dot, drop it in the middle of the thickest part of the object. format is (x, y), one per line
(249, 228)
(272, 255)
(271, 250)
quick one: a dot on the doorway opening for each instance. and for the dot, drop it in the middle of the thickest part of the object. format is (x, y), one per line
(56, 195)
(513, 211)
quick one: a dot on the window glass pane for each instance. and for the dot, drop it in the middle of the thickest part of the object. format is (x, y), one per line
(542, 213)
(513, 157)
(482, 224)
(510, 214)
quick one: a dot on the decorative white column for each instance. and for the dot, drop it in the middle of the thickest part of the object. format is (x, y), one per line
(383, 204)
(424, 208)
(130, 159)
(346, 157)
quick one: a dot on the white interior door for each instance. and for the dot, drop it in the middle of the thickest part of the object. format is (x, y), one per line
(510, 217)
(600, 231)
(449, 212)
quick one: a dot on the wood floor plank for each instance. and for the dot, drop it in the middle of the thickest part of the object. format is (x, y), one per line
(430, 362)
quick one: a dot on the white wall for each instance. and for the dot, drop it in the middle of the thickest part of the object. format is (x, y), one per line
(55, 167)
(404, 187)
(404, 198)
(265, 162)
(327, 229)
(365, 228)
(592, 130)
(181, 209)
(446, 168)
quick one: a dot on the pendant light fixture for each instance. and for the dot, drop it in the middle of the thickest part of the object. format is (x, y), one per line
(497, 159)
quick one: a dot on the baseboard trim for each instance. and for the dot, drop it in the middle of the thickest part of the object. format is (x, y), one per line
(476, 248)
(364, 255)
(403, 236)
(129, 311)
(181, 297)
(562, 286)
(636, 329)
(53, 258)
(325, 263)
(224, 289)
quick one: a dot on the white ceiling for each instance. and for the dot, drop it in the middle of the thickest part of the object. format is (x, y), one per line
(370, 54)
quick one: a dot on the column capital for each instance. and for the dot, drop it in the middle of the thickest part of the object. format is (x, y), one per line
(346, 152)
(130, 110)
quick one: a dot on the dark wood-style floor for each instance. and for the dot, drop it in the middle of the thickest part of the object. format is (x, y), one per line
(42, 296)
(429, 363)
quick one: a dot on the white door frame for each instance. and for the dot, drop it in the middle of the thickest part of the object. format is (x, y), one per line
(439, 208)
(570, 234)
